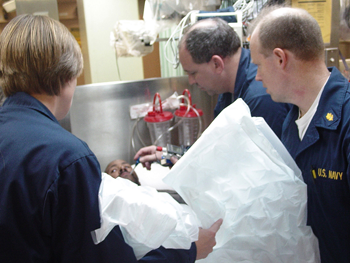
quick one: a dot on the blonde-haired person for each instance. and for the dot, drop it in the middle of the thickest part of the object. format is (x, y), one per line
(49, 179)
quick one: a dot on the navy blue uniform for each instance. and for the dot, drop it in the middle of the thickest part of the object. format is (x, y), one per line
(254, 95)
(323, 157)
(49, 183)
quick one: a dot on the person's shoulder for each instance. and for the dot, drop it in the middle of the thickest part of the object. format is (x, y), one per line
(256, 89)
(65, 146)
(70, 142)
(73, 142)
(262, 104)
(264, 100)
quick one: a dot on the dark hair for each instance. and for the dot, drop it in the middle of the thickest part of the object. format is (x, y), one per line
(37, 55)
(294, 30)
(218, 38)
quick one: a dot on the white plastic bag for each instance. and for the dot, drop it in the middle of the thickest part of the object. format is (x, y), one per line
(159, 15)
(147, 219)
(185, 6)
(235, 173)
(132, 38)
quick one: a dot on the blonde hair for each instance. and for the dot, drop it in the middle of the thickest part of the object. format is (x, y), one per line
(38, 55)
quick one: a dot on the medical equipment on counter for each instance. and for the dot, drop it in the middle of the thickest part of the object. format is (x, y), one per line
(191, 125)
(170, 151)
(158, 123)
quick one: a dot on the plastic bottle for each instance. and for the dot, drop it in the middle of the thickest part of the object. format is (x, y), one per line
(158, 123)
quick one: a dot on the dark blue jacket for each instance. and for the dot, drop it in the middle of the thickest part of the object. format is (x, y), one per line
(254, 95)
(49, 183)
(323, 157)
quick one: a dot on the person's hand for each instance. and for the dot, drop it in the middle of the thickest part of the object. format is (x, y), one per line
(206, 240)
(173, 159)
(148, 155)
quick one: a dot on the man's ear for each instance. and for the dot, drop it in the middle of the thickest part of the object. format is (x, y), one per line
(218, 63)
(281, 57)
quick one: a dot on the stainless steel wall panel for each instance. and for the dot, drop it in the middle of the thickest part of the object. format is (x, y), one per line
(100, 113)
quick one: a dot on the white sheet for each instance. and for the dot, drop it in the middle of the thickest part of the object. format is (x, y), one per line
(234, 172)
(148, 219)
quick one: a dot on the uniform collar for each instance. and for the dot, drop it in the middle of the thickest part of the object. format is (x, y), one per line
(243, 66)
(328, 114)
(22, 99)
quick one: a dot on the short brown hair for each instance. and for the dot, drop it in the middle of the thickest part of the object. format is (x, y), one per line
(296, 30)
(38, 55)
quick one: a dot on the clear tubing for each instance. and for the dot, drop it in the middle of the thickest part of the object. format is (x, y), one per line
(189, 107)
(176, 124)
(172, 40)
(133, 134)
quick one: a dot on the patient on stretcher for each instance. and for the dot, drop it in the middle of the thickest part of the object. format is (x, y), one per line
(121, 168)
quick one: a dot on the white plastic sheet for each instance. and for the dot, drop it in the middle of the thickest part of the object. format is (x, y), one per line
(132, 38)
(234, 172)
(147, 219)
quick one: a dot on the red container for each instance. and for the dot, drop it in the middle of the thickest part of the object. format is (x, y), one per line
(158, 123)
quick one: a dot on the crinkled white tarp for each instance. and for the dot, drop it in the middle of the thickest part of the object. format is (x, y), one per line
(147, 219)
(234, 172)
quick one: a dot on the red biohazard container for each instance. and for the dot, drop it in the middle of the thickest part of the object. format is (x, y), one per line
(158, 123)
(189, 127)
